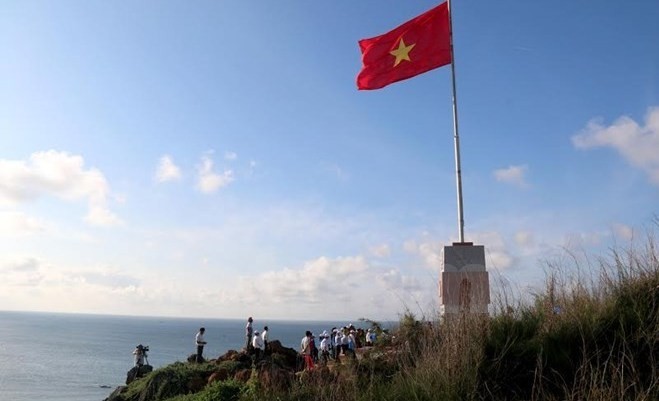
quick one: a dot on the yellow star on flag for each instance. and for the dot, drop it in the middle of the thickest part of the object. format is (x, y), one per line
(402, 52)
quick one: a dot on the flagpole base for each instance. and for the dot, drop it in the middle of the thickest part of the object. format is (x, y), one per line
(464, 285)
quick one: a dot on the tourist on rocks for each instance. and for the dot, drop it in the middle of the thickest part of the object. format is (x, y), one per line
(352, 343)
(264, 337)
(199, 340)
(370, 337)
(248, 334)
(305, 350)
(324, 348)
(257, 344)
(346, 343)
(332, 342)
(139, 355)
(337, 344)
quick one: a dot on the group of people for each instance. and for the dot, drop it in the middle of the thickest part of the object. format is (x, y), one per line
(255, 342)
(339, 341)
(343, 341)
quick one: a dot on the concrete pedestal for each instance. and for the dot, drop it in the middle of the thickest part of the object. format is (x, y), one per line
(464, 284)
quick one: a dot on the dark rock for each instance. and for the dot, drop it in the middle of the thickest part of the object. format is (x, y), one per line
(241, 357)
(196, 384)
(193, 358)
(283, 356)
(218, 375)
(137, 371)
(274, 378)
(243, 375)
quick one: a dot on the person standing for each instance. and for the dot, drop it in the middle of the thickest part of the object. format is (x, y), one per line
(248, 334)
(337, 344)
(139, 355)
(324, 348)
(305, 348)
(257, 344)
(264, 337)
(199, 340)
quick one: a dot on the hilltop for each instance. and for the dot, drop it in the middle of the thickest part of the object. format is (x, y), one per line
(590, 334)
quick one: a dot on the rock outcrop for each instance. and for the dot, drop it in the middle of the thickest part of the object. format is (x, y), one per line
(275, 370)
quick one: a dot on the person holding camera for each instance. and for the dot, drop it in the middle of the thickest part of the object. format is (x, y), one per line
(140, 352)
(199, 340)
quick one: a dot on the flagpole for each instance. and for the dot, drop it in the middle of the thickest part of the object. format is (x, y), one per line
(456, 137)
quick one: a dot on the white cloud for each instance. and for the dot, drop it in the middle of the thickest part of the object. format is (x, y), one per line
(380, 251)
(14, 224)
(56, 174)
(429, 251)
(312, 282)
(333, 287)
(393, 280)
(515, 175)
(167, 170)
(20, 273)
(583, 240)
(230, 156)
(209, 181)
(524, 239)
(623, 231)
(639, 145)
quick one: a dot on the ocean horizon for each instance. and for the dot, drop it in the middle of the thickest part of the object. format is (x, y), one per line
(83, 357)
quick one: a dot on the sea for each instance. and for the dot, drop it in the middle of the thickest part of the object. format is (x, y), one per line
(78, 357)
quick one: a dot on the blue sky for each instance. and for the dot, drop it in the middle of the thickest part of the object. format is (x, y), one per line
(215, 159)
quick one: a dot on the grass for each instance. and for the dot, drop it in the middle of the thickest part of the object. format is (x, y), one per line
(592, 333)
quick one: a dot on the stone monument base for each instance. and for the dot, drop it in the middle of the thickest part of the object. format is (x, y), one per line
(464, 285)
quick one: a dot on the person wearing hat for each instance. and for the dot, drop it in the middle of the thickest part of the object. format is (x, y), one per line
(324, 348)
(338, 345)
(257, 344)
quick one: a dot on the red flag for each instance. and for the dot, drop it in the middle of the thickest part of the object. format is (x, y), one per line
(419, 45)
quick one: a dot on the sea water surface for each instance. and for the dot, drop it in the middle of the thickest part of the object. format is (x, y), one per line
(72, 357)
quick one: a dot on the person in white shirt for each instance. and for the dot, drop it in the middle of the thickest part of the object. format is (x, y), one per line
(199, 340)
(337, 345)
(139, 355)
(370, 336)
(324, 349)
(257, 344)
(352, 343)
(345, 343)
(305, 348)
(264, 337)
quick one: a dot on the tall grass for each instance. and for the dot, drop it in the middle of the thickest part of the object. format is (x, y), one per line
(591, 333)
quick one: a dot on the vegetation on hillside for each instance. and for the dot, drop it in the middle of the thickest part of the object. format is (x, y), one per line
(592, 333)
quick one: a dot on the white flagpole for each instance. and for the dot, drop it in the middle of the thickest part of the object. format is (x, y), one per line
(456, 137)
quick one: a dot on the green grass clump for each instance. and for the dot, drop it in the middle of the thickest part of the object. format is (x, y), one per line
(173, 380)
(228, 390)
